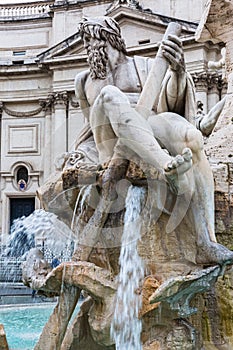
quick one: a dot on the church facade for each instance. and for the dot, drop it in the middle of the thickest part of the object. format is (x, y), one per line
(41, 52)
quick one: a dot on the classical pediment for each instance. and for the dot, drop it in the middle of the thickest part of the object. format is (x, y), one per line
(141, 29)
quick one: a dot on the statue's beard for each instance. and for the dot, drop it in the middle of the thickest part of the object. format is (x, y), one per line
(97, 60)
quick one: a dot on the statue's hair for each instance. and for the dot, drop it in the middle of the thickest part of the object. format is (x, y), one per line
(103, 28)
(97, 59)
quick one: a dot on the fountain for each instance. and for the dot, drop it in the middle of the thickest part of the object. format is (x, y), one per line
(145, 253)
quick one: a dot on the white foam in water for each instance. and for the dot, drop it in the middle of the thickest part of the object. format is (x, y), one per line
(39, 225)
(126, 327)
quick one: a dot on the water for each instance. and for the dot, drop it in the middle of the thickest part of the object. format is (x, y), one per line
(23, 324)
(82, 198)
(126, 327)
(41, 229)
(44, 227)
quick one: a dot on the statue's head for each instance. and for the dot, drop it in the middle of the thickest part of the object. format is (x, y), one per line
(104, 30)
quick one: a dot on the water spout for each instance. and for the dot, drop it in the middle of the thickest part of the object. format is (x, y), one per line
(126, 327)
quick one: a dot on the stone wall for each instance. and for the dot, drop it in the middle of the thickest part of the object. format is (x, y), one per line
(216, 26)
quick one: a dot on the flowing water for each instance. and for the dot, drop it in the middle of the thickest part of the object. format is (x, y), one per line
(126, 327)
(24, 324)
(41, 229)
(40, 226)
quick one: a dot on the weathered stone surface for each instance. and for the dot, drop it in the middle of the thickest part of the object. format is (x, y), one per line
(3, 340)
(216, 25)
(54, 199)
(91, 326)
(79, 334)
(150, 285)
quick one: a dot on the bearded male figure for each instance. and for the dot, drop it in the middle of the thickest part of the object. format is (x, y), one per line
(108, 94)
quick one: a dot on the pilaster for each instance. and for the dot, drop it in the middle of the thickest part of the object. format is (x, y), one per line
(59, 124)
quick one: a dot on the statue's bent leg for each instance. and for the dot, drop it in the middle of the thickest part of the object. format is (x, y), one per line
(175, 133)
(114, 120)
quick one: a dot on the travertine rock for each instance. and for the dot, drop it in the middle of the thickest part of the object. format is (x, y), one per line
(216, 25)
(3, 340)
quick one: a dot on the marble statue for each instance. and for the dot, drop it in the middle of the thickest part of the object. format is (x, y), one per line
(108, 94)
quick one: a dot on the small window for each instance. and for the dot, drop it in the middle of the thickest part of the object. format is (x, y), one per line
(143, 42)
(19, 53)
(22, 174)
(18, 62)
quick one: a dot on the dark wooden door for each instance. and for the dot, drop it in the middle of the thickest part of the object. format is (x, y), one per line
(21, 207)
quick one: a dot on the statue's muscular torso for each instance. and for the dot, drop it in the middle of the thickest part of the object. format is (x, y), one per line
(124, 77)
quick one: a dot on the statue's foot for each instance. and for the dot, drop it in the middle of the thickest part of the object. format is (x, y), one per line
(214, 253)
(175, 170)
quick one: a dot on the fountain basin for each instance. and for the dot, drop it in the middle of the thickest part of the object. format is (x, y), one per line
(24, 323)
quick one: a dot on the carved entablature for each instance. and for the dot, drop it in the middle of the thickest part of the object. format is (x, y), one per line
(209, 80)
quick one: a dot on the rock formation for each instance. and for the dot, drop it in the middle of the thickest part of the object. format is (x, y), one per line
(216, 27)
(3, 340)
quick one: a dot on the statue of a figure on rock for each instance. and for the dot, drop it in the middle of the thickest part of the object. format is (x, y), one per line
(163, 136)
(140, 117)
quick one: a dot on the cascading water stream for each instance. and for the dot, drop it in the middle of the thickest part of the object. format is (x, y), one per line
(126, 327)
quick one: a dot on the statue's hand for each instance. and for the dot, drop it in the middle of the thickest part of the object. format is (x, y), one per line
(172, 50)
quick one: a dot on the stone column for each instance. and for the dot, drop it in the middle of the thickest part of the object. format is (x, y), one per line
(200, 81)
(75, 123)
(213, 90)
(47, 151)
(59, 125)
